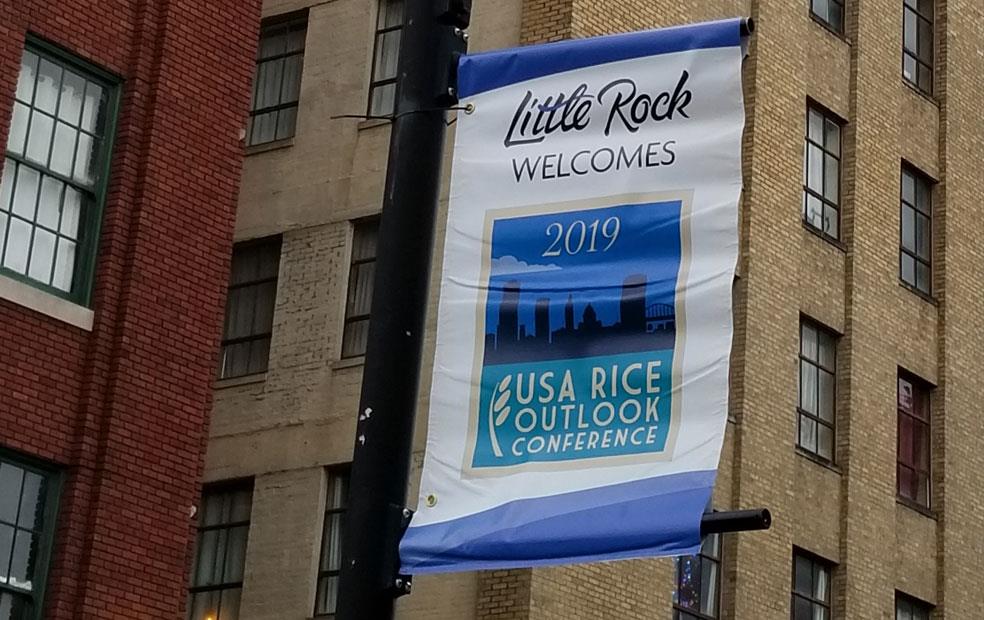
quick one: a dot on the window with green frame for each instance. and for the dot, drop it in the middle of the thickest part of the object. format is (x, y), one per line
(28, 503)
(55, 171)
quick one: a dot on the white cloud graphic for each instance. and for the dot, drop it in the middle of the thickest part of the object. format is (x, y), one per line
(511, 265)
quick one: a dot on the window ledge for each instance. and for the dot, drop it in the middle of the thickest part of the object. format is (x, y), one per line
(818, 460)
(830, 29)
(924, 296)
(349, 362)
(259, 377)
(276, 145)
(369, 123)
(927, 96)
(816, 232)
(46, 303)
(911, 505)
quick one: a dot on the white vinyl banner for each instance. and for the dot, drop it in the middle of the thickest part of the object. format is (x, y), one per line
(580, 386)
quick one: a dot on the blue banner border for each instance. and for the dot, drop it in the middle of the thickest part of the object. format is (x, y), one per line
(650, 517)
(478, 73)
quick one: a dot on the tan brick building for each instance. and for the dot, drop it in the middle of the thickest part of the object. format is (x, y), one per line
(858, 328)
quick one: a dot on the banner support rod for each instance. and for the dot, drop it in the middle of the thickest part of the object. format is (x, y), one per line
(735, 521)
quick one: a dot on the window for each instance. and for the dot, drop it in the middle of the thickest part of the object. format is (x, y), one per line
(830, 12)
(277, 86)
(913, 440)
(28, 498)
(917, 44)
(220, 553)
(249, 308)
(811, 587)
(386, 53)
(54, 174)
(915, 257)
(818, 370)
(331, 544)
(821, 172)
(908, 608)
(359, 299)
(698, 582)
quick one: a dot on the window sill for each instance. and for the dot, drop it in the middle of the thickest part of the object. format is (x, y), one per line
(369, 123)
(837, 243)
(830, 29)
(349, 362)
(266, 147)
(45, 303)
(927, 96)
(924, 296)
(818, 460)
(911, 505)
(231, 382)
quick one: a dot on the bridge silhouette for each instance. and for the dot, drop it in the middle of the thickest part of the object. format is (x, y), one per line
(659, 312)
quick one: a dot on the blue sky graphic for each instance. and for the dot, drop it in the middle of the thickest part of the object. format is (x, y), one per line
(648, 243)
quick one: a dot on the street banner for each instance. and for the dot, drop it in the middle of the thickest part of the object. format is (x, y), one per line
(580, 385)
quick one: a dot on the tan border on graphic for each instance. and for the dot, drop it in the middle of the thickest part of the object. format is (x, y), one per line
(685, 198)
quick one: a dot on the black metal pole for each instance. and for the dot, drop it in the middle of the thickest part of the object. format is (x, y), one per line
(735, 521)
(368, 583)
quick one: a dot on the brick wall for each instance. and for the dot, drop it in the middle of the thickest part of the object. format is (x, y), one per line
(122, 409)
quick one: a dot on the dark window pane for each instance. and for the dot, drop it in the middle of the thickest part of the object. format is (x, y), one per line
(803, 577)
(220, 554)
(688, 582)
(825, 442)
(836, 16)
(250, 307)
(22, 561)
(923, 277)
(814, 212)
(259, 356)
(908, 269)
(327, 595)
(359, 298)
(387, 55)
(390, 13)
(264, 128)
(356, 338)
(6, 549)
(908, 228)
(826, 408)
(229, 604)
(360, 289)
(831, 184)
(808, 433)
(11, 482)
(909, 68)
(802, 610)
(923, 240)
(925, 41)
(383, 100)
(32, 501)
(286, 123)
(277, 83)
(909, 30)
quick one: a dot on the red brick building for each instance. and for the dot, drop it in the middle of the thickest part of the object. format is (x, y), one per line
(122, 121)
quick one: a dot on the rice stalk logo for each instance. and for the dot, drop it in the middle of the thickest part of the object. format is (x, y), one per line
(499, 411)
